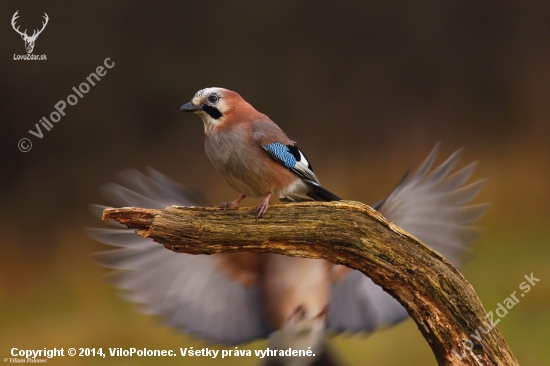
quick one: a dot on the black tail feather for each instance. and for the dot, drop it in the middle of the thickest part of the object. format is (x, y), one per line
(319, 193)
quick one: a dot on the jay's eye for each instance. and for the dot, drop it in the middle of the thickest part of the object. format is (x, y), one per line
(213, 98)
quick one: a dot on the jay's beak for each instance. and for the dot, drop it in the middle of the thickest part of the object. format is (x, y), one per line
(190, 107)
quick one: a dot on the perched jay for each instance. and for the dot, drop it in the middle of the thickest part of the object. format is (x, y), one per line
(251, 152)
(239, 297)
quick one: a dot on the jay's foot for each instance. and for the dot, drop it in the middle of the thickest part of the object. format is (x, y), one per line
(262, 207)
(227, 205)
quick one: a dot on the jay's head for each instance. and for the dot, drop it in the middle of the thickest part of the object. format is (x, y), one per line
(217, 106)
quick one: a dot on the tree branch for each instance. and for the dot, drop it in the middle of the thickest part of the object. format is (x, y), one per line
(441, 302)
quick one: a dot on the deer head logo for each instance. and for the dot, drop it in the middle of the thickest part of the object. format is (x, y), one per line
(29, 40)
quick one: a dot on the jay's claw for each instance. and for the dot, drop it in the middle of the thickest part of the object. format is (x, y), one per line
(262, 207)
(227, 205)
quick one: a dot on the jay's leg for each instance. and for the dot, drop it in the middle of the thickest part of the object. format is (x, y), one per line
(262, 207)
(227, 205)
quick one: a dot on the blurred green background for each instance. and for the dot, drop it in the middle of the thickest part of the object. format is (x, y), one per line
(366, 88)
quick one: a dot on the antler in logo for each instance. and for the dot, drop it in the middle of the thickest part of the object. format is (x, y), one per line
(29, 41)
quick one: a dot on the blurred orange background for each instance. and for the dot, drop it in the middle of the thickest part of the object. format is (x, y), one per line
(366, 88)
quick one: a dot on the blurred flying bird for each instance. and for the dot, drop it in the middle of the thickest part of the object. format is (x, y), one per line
(251, 152)
(239, 297)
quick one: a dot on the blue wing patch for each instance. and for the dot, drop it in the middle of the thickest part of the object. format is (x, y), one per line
(282, 153)
(292, 158)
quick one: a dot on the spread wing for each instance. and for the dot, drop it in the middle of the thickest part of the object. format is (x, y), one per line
(433, 206)
(215, 297)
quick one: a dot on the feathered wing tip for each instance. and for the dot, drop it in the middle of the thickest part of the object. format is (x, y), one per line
(379, 204)
(434, 207)
(190, 292)
(154, 190)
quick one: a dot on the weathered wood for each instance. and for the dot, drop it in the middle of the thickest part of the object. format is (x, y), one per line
(439, 299)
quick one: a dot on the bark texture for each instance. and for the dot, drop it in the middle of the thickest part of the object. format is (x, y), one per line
(439, 299)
